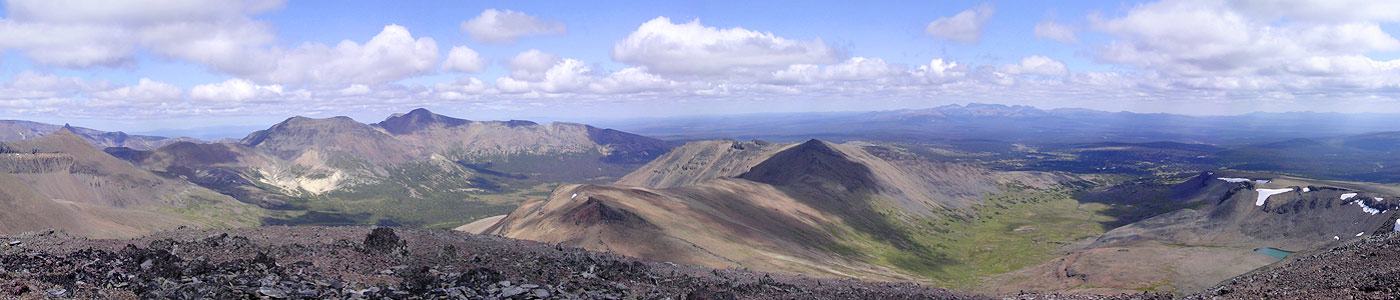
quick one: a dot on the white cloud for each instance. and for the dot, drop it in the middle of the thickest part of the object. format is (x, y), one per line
(221, 35)
(694, 49)
(531, 64)
(1036, 65)
(1060, 32)
(853, 69)
(87, 33)
(512, 86)
(566, 76)
(145, 90)
(1225, 41)
(148, 12)
(67, 45)
(505, 26)
(465, 60)
(631, 80)
(938, 71)
(1337, 11)
(355, 90)
(460, 88)
(236, 46)
(235, 90)
(391, 55)
(964, 27)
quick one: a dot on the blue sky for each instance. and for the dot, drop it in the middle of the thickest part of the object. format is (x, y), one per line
(160, 64)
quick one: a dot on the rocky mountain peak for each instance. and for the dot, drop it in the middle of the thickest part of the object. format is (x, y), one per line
(813, 162)
(417, 119)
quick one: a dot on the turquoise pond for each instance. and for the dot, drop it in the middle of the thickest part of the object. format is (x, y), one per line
(1280, 254)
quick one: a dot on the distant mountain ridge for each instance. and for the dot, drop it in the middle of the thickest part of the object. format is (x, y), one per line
(1017, 123)
(17, 130)
(439, 164)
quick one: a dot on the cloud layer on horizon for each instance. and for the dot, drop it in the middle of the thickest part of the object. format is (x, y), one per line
(1245, 52)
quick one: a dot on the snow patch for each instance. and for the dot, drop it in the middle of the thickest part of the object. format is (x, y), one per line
(1306, 189)
(1360, 233)
(1397, 224)
(1348, 196)
(1262, 181)
(1336, 238)
(574, 196)
(1233, 180)
(1265, 193)
(1368, 209)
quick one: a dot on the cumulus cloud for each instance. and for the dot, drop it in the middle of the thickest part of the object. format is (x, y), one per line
(1225, 41)
(630, 80)
(938, 71)
(221, 35)
(465, 60)
(1338, 11)
(145, 90)
(566, 76)
(691, 48)
(153, 11)
(460, 89)
(964, 27)
(1036, 65)
(391, 55)
(853, 69)
(505, 26)
(531, 64)
(1048, 29)
(87, 33)
(235, 90)
(234, 46)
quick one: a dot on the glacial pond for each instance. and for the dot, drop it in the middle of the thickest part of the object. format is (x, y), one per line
(1280, 254)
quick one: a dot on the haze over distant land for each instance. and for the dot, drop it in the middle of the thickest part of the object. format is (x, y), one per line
(196, 64)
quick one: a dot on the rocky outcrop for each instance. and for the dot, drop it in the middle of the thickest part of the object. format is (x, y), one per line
(35, 163)
(332, 263)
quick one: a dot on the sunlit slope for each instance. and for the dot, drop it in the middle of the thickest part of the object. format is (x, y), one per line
(811, 208)
(60, 181)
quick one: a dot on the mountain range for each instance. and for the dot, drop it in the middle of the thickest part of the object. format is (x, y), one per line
(417, 168)
(978, 198)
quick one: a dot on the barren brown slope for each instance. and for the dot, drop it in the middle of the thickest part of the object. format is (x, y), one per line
(812, 208)
(78, 188)
(1191, 249)
(697, 162)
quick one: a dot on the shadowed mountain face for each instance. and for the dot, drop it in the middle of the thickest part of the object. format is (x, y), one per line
(786, 208)
(60, 181)
(816, 164)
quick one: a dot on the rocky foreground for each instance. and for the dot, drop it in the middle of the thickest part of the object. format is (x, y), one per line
(365, 263)
(1367, 268)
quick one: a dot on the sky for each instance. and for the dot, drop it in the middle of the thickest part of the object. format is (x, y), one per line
(145, 65)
